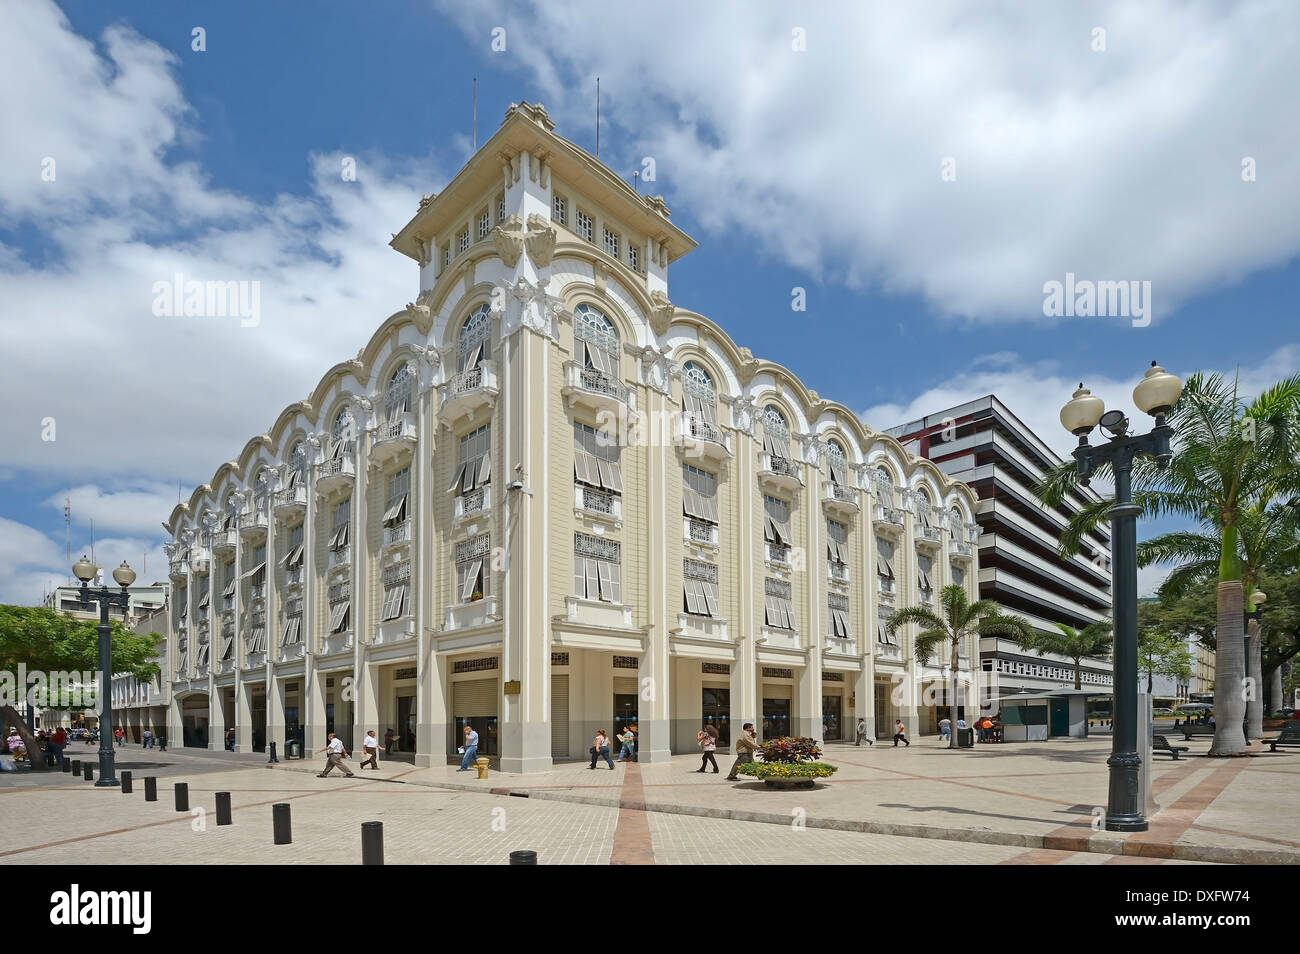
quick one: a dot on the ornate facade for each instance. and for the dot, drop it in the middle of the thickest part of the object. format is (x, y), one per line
(543, 499)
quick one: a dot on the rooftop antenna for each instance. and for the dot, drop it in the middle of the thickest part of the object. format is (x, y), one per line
(636, 181)
(476, 114)
(67, 526)
(597, 117)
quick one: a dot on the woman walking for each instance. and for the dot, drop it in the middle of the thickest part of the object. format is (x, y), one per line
(600, 749)
(709, 742)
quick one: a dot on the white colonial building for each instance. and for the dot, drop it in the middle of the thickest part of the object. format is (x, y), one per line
(543, 499)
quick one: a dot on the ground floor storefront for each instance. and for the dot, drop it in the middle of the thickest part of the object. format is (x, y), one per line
(420, 713)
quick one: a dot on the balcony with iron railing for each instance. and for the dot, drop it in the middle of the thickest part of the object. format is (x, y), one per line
(593, 502)
(778, 474)
(778, 553)
(290, 501)
(839, 500)
(253, 521)
(595, 390)
(476, 503)
(887, 518)
(340, 557)
(334, 474)
(886, 586)
(699, 533)
(468, 392)
(393, 437)
(838, 573)
(841, 645)
(224, 541)
(960, 548)
(397, 534)
(703, 442)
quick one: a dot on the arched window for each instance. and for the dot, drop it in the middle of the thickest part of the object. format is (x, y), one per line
(400, 396)
(262, 488)
(475, 341)
(230, 512)
(595, 336)
(835, 463)
(925, 516)
(699, 399)
(297, 473)
(776, 433)
(344, 433)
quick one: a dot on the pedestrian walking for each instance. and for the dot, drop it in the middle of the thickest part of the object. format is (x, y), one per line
(371, 748)
(162, 743)
(388, 741)
(900, 734)
(629, 745)
(746, 745)
(120, 736)
(230, 740)
(148, 740)
(708, 742)
(861, 732)
(470, 748)
(58, 739)
(335, 754)
(600, 749)
(945, 729)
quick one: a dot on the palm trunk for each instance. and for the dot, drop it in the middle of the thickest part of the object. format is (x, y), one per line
(1275, 689)
(1078, 672)
(952, 699)
(1229, 705)
(1254, 669)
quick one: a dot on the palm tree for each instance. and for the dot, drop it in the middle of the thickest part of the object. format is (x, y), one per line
(1268, 535)
(1095, 639)
(1229, 454)
(960, 620)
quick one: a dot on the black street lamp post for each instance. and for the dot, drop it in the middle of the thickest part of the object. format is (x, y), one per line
(125, 576)
(1155, 395)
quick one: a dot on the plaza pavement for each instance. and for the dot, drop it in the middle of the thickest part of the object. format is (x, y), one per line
(999, 804)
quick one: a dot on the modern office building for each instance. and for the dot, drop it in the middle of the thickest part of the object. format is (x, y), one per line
(984, 444)
(543, 500)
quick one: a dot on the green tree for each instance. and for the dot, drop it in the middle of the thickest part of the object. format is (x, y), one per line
(46, 642)
(1268, 534)
(951, 626)
(1230, 453)
(1162, 654)
(1095, 639)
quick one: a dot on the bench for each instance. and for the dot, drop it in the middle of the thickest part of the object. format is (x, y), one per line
(1290, 736)
(1161, 744)
(1190, 729)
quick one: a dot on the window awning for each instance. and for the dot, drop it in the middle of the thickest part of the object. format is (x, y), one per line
(260, 566)
(396, 511)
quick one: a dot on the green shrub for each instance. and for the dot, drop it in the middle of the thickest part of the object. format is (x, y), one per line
(790, 750)
(786, 769)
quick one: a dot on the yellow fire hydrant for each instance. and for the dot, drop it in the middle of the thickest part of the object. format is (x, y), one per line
(482, 766)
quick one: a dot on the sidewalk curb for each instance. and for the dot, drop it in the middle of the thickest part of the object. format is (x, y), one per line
(1096, 843)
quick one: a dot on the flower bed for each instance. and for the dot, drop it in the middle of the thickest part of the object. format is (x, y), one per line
(788, 763)
(809, 770)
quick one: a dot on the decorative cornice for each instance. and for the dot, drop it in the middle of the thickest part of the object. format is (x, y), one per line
(662, 312)
(747, 368)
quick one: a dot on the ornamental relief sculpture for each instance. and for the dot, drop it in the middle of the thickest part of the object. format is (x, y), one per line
(662, 312)
(508, 238)
(540, 240)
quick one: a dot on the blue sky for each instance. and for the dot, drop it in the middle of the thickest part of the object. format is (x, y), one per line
(817, 168)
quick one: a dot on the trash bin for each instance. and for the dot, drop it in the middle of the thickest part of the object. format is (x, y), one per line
(965, 738)
(293, 749)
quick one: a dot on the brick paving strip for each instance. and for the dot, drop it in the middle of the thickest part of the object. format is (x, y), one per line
(632, 845)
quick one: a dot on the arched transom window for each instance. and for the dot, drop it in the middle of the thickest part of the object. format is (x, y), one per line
(699, 397)
(297, 466)
(400, 396)
(475, 342)
(343, 433)
(595, 336)
(836, 466)
(776, 433)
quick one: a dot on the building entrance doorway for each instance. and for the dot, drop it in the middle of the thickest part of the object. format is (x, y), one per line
(884, 724)
(625, 714)
(716, 708)
(404, 740)
(776, 718)
(832, 718)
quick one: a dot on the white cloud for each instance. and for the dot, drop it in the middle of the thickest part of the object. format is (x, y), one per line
(1115, 165)
(137, 509)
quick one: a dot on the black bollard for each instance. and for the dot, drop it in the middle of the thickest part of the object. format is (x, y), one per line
(280, 822)
(223, 808)
(523, 857)
(150, 789)
(126, 783)
(76, 766)
(372, 843)
(88, 772)
(271, 748)
(182, 796)
(67, 765)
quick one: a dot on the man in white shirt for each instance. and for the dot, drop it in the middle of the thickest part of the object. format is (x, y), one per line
(370, 748)
(334, 758)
